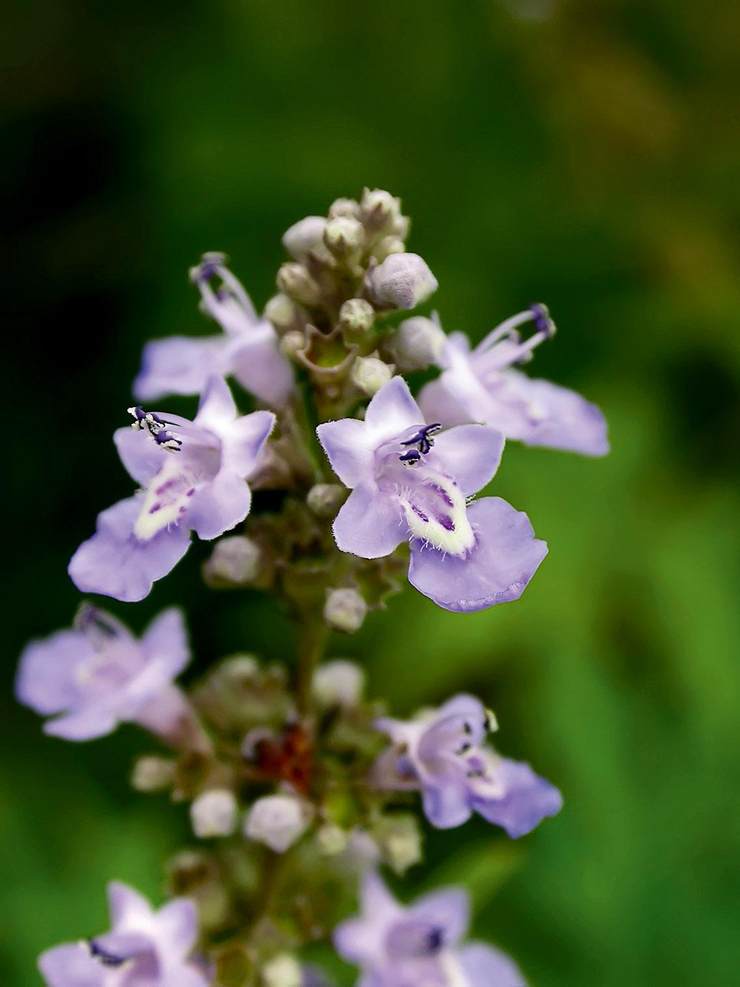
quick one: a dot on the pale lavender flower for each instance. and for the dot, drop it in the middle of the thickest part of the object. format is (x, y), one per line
(96, 675)
(145, 948)
(248, 349)
(441, 753)
(480, 385)
(193, 476)
(408, 481)
(419, 946)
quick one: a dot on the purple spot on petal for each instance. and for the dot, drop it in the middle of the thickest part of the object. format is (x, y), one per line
(443, 495)
(419, 513)
(447, 523)
(154, 508)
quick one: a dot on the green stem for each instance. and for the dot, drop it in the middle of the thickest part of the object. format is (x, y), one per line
(313, 635)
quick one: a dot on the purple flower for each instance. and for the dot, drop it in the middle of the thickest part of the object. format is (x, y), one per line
(96, 675)
(408, 481)
(419, 946)
(193, 476)
(480, 385)
(144, 947)
(248, 349)
(441, 754)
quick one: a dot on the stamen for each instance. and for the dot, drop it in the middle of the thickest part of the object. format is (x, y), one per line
(423, 438)
(91, 621)
(103, 956)
(156, 427)
(542, 321)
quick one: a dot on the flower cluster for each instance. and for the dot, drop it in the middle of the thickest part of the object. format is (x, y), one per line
(298, 781)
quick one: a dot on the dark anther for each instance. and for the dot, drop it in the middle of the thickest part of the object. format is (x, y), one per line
(542, 321)
(411, 457)
(435, 940)
(467, 728)
(103, 956)
(423, 438)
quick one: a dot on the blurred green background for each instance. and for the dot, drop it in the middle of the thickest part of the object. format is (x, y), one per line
(585, 154)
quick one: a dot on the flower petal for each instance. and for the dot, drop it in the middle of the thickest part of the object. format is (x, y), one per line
(539, 413)
(166, 641)
(115, 563)
(87, 723)
(527, 800)
(259, 366)
(485, 966)
(349, 448)
(369, 525)
(71, 965)
(141, 456)
(440, 404)
(448, 909)
(460, 720)
(497, 570)
(46, 673)
(219, 505)
(180, 365)
(470, 454)
(176, 927)
(129, 910)
(447, 805)
(392, 410)
(244, 440)
(361, 940)
(216, 409)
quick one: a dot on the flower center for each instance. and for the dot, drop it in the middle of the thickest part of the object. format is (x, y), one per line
(433, 505)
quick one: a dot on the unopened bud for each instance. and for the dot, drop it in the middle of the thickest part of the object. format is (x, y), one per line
(356, 316)
(401, 281)
(381, 211)
(387, 246)
(345, 610)
(331, 839)
(344, 236)
(281, 311)
(399, 838)
(303, 236)
(234, 560)
(292, 343)
(325, 499)
(152, 773)
(417, 343)
(282, 970)
(277, 821)
(294, 280)
(338, 683)
(214, 813)
(369, 374)
(344, 207)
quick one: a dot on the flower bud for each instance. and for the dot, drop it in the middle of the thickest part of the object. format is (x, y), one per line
(214, 813)
(381, 211)
(356, 316)
(369, 374)
(292, 343)
(325, 499)
(235, 560)
(401, 281)
(294, 280)
(417, 343)
(344, 207)
(277, 821)
(303, 236)
(282, 970)
(281, 311)
(152, 773)
(338, 683)
(344, 236)
(344, 610)
(331, 839)
(387, 246)
(399, 839)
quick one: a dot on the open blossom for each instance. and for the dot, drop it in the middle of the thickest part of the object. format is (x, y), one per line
(441, 753)
(480, 385)
(193, 476)
(408, 482)
(419, 946)
(144, 947)
(248, 348)
(96, 675)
